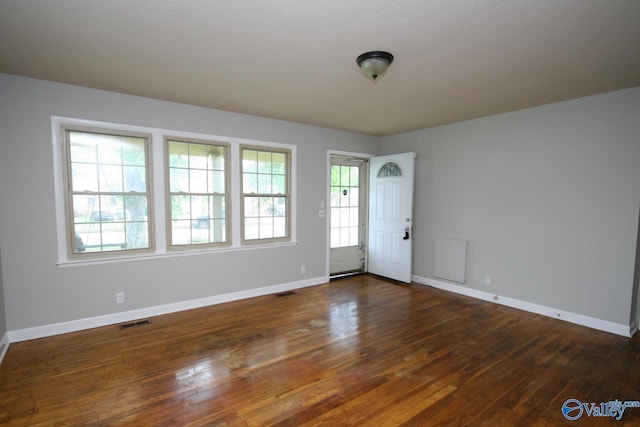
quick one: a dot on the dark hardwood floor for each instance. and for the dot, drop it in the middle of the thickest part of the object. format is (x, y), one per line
(356, 351)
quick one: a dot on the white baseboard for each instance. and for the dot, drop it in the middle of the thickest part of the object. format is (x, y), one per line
(127, 316)
(4, 346)
(567, 316)
(633, 327)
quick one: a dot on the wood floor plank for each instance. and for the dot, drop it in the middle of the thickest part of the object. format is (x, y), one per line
(356, 351)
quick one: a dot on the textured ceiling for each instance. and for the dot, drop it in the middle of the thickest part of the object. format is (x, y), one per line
(295, 60)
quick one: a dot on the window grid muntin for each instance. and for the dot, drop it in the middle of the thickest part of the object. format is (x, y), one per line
(206, 228)
(89, 232)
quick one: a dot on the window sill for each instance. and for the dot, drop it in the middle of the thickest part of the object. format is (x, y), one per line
(172, 254)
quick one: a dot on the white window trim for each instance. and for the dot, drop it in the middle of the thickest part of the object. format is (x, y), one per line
(158, 176)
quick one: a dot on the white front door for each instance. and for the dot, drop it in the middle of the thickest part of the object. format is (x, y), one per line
(390, 215)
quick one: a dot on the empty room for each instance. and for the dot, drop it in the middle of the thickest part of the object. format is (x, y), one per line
(254, 213)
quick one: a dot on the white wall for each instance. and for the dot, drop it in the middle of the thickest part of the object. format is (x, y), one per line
(547, 197)
(37, 292)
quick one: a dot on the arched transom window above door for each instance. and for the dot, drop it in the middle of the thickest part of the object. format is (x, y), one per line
(390, 169)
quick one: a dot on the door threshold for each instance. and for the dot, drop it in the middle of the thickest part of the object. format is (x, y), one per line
(346, 274)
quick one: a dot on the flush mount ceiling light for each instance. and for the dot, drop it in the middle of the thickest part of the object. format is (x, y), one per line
(375, 63)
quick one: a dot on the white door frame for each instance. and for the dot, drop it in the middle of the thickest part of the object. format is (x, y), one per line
(325, 205)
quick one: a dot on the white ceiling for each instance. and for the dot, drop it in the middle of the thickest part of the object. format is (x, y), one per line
(295, 60)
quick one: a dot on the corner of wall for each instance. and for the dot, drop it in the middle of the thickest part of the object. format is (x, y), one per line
(635, 296)
(4, 345)
(4, 335)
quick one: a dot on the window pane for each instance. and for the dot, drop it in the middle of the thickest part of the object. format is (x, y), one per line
(135, 208)
(197, 156)
(279, 163)
(335, 237)
(180, 207)
(106, 206)
(354, 177)
(83, 153)
(249, 161)
(264, 184)
(344, 196)
(200, 235)
(353, 217)
(84, 177)
(264, 162)
(215, 158)
(266, 206)
(216, 183)
(344, 217)
(179, 180)
(251, 228)
(110, 178)
(137, 235)
(178, 154)
(217, 207)
(353, 236)
(266, 228)
(251, 207)
(278, 184)
(133, 153)
(134, 179)
(113, 236)
(201, 222)
(279, 227)
(198, 181)
(354, 196)
(199, 205)
(335, 196)
(82, 207)
(335, 175)
(280, 206)
(110, 154)
(218, 231)
(335, 217)
(344, 236)
(250, 183)
(345, 173)
(181, 232)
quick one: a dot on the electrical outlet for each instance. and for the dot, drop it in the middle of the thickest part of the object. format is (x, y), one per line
(487, 280)
(303, 269)
(119, 297)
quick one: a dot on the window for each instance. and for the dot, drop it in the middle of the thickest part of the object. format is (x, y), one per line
(198, 192)
(125, 191)
(265, 194)
(107, 191)
(390, 169)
